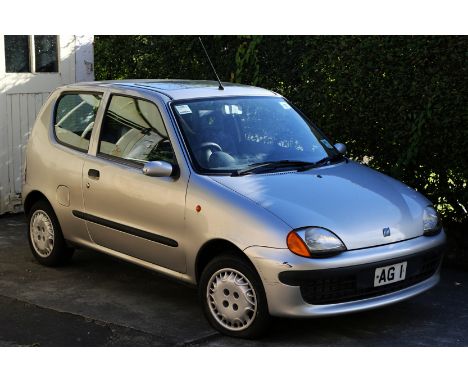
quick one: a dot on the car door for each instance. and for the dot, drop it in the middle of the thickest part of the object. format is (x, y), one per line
(125, 210)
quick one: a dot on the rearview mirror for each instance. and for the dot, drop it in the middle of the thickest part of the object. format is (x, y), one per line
(341, 147)
(157, 169)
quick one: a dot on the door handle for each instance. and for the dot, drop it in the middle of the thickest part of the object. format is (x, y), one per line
(94, 174)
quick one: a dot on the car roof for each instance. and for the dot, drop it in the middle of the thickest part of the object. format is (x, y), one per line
(180, 89)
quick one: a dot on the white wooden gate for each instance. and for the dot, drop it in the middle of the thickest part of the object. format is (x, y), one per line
(21, 97)
(22, 109)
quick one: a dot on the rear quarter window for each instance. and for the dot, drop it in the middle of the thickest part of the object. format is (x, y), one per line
(74, 119)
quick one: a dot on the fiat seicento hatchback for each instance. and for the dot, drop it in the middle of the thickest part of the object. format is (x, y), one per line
(232, 190)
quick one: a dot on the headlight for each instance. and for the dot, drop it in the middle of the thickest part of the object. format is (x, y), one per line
(431, 221)
(314, 242)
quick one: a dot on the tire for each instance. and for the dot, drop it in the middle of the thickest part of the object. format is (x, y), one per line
(45, 236)
(228, 286)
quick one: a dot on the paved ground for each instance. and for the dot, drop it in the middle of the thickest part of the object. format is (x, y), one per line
(100, 301)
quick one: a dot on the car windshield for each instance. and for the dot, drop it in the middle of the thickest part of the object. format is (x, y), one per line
(237, 133)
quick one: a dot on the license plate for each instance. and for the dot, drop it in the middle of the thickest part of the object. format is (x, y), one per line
(390, 274)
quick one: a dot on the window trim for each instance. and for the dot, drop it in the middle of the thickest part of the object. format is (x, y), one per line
(57, 101)
(121, 161)
(124, 161)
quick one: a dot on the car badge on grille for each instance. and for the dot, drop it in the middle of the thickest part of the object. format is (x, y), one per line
(386, 231)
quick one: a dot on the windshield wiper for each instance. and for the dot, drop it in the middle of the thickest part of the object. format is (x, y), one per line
(273, 165)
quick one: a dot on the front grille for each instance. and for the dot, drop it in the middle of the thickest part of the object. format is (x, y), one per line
(356, 285)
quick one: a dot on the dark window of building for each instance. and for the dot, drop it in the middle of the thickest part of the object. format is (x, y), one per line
(46, 54)
(17, 57)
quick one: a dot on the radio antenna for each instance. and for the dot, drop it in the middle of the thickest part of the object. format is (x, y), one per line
(221, 87)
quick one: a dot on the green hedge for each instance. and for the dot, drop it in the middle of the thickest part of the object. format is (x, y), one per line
(398, 102)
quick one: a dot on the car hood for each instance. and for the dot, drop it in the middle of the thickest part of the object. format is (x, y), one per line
(351, 200)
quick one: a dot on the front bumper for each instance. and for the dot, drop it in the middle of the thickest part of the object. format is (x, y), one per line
(302, 287)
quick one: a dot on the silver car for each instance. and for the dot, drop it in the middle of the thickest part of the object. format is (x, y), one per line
(232, 190)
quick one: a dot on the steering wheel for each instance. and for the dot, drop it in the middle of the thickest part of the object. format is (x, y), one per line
(210, 145)
(205, 150)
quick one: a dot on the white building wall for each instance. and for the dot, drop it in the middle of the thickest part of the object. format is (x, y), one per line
(84, 58)
(21, 97)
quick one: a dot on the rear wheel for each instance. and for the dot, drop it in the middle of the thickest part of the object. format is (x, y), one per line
(45, 236)
(233, 297)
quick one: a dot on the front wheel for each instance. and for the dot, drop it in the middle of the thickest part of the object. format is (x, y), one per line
(45, 236)
(233, 297)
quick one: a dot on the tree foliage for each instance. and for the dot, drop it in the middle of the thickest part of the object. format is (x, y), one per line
(398, 102)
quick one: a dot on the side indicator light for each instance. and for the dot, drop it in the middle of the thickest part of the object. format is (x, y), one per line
(296, 245)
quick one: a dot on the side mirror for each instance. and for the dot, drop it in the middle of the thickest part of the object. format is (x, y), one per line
(341, 147)
(158, 169)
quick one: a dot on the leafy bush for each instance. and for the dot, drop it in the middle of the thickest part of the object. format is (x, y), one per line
(400, 103)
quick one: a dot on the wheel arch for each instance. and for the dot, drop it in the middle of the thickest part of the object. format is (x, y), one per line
(214, 248)
(31, 198)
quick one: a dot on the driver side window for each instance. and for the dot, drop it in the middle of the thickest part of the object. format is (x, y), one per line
(133, 130)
